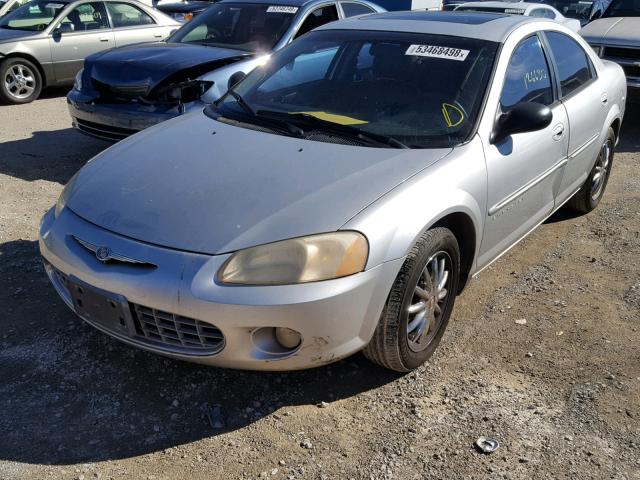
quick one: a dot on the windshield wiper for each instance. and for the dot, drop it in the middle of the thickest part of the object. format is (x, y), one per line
(315, 122)
(243, 104)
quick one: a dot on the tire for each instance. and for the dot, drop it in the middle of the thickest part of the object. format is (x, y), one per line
(20, 81)
(397, 342)
(588, 197)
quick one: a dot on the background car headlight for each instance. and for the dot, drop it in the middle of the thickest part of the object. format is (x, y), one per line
(182, 17)
(299, 260)
(77, 83)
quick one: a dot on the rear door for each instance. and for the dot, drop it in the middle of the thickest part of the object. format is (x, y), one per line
(131, 24)
(586, 102)
(83, 31)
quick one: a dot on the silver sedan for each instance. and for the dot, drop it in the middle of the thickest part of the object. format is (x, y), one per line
(340, 197)
(43, 43)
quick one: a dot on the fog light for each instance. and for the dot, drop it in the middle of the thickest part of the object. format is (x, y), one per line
(288, 338)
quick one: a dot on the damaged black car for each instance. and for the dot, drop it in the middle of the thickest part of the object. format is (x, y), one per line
(124, 90)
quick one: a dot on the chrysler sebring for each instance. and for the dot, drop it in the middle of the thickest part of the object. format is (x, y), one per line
(339, 197)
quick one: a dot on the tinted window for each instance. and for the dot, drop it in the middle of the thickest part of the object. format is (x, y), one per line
(578, 9)
(242, 26)
(572, 61)
(423, 90)
(16, 5)
(127, 15)
(88, 16)
(623, 8)
(353, 9)
(528, 78)
(318, 17)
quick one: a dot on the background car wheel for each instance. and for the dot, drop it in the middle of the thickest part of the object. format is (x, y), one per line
(20, 81)
(592, 191)
(419, 304)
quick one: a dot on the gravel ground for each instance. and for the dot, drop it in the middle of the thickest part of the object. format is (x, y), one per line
(541, 353)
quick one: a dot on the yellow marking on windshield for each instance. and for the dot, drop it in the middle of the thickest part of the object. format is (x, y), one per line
(334, 118)
(452, 120)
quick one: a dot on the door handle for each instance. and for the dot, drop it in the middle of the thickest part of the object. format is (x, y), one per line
(558, 131)
(158, 35)
(104, 39)
(604, 98)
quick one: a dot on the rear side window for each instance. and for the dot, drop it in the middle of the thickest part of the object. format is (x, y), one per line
(573, 64)
(127, 15)
(318, 17)
(352, 9)
(528, 78)
(542, 13)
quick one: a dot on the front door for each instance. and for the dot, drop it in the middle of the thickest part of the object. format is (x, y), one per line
(524, 170)
(85, 30)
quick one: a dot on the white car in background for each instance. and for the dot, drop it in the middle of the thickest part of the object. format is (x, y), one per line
(539, 10)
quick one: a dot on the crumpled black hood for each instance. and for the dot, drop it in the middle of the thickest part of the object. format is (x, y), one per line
(142, 67)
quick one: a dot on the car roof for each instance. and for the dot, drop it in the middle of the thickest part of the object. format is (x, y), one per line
(288, 3)
(494, 27)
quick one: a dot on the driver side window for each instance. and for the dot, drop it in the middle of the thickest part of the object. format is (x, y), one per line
(318, 17)
(528, 78)
(88, 16)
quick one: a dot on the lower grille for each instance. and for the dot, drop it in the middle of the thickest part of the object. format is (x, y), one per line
(631, 70)
(106, 132)
(176, 333)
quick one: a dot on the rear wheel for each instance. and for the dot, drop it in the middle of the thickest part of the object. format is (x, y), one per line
(592, 191)
(419, 304)
(20, 81)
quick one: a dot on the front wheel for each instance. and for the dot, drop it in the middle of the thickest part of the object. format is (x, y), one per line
(419, 304)
(592, 191)
(20, 81)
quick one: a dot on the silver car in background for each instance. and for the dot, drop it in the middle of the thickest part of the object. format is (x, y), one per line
(616, 37)
(43, 43)
(339, 197)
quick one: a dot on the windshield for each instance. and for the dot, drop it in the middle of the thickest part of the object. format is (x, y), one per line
(36, 16)
(243, 26)
(623, 8)
(580, 10)
(510, 10)
(420, 91)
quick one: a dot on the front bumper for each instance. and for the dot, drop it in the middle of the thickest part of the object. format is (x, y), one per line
(113, 122)
(335, 318)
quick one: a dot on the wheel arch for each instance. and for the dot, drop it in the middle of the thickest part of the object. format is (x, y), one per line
(30, 58)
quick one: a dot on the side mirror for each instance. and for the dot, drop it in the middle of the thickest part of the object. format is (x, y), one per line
(235, 79)
(521, 118)
(64, 28)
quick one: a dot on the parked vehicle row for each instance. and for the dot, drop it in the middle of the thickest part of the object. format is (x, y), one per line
(340, 196)
(122, 91)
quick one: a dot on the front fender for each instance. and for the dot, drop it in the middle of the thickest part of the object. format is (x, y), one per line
(455, 184)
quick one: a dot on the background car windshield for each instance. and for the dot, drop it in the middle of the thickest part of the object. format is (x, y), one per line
(36, 16)
(243, 26)
(580, 10)
(623, 8)
(422, 90)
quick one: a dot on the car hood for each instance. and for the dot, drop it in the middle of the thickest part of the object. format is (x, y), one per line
(614, 31)
(7, 35)
(143, 66)
(179, 185)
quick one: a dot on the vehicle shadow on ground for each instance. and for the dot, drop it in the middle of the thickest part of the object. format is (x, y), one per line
(48, 155)
(70, 394)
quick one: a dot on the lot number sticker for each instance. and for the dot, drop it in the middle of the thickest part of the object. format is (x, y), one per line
(438, 52)
(281, 9)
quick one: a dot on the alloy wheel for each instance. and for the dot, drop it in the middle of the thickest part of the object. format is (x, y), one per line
(601, 170)
(425, 312)
(19, 81)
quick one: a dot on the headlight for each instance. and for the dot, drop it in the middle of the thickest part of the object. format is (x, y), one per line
(182, 17)
(77, 83)
(64, 196)
(299, 260)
